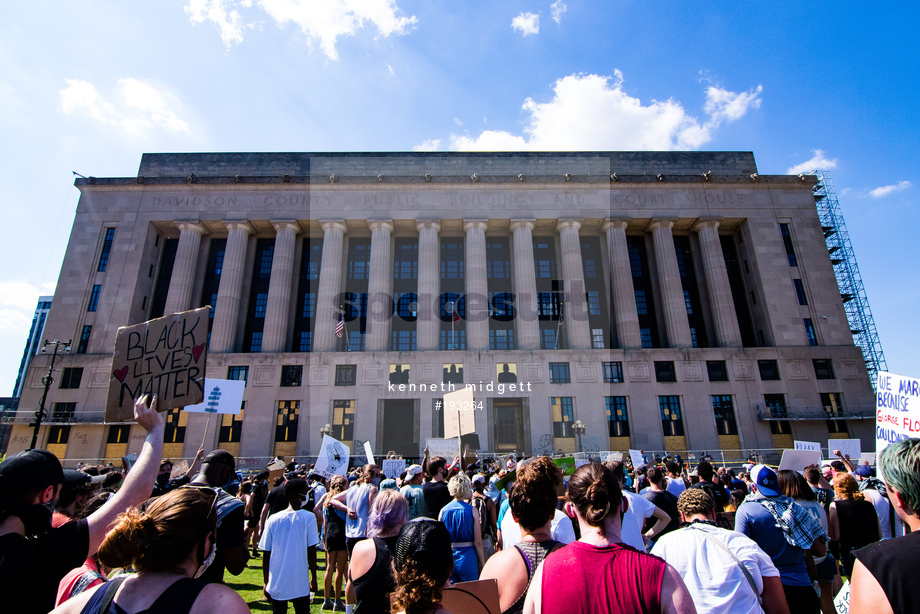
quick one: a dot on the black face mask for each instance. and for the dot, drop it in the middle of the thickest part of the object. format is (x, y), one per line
(36, 518)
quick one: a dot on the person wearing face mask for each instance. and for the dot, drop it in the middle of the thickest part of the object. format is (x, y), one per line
(33, 556)
(218, 469)
(170, 544)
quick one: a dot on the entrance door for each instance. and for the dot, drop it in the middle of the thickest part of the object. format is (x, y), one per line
(398, 429)
(509, 426)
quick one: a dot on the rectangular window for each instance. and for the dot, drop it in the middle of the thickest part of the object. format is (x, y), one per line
(776, 404)
(645, 334)
(346, 375)
(309, 305)
(671, 422)
(118, 433)
(833, 407)
(260, 305)
(63, 412)
(286, 424)
(617, 418)
(59, 434)
(823, 368)
(635, 261)
(810, 332)
(597, 338)
(664, 371)
(688, 302)
(84, 339)
(70, 377)
(787, 243)
(451, 339)
(800, 291)
(176, 420)
(613, 372)
(255, 342)
(563, 416)
(559, 373)
(94, 297)
(106, 250)
(404, 340)
(551, 338)
(355, 341)
(769, 370)
(717, 370)
(238, 373)
(291, 375)
(305, 341)
(594, 302)
(343, 420)
(501, 339)
(725, 414)
(641, 302)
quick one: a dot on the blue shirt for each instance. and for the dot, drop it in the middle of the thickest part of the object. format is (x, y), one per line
(756, 521)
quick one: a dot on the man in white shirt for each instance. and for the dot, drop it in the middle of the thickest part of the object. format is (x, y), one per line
(638, 510)
(709, 558)
(289, 543)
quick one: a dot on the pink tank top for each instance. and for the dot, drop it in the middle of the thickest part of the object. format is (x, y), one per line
(593, 580)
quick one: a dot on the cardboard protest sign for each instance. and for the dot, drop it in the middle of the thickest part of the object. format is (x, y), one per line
(447, 448)
(797, 460)
(179, 469)
(459, 413)
(221, 396)
(847, 447)
(478, 597)
(867, 457)
(806, 445)
(165, 357)
(897, 414)
(332, 459)
(392, 468)
(636, 456)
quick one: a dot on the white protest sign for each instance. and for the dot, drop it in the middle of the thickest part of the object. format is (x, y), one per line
(611, 456)
(392, 468)
(581, 461)
(332, 459)
(797, 460)
(369, 453)
(636, 456)
(867, 457)
(897, 410)
(806, 445)
(221, 396)
(459, 413)
(847, 447)
(447, 448)
(842, 600)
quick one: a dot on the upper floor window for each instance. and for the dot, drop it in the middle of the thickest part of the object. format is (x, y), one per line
(559, 373)
(106, 250)
(787, 243)
(769, 370)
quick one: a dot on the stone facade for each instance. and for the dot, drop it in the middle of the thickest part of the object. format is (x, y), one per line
(687, 258)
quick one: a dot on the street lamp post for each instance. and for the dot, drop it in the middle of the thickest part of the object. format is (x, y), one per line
(579, 428)
(40, 414)
(326, 430)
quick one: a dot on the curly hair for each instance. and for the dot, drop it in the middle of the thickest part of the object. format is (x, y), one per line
(416, 591)
(695, 501)
(337, 484)
(846, 487)
(533, 497)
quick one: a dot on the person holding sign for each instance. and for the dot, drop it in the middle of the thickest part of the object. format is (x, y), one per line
(884, 575)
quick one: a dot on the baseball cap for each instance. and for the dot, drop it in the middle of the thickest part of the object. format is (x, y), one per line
(413, 471)
(479, 479)
(29, 471)
(863, 471)
(219, 457)
(74, 480)
(765, 479)
(389, 484)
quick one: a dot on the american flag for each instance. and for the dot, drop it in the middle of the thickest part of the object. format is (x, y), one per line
(340, 327)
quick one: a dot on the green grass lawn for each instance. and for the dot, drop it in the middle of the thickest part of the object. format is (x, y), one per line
(249, 585)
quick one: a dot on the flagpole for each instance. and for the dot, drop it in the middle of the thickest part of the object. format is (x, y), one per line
(559, 324)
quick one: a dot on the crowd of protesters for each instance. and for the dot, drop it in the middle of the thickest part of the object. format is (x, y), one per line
(609, 537)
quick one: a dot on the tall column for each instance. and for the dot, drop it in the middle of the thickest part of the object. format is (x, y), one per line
(672, 292)
(728, 333)
(278, 309)
(379, 287)
(183, 273)
(429, 278)
(477, 286)
(575, 308)
(330, 283)
(227, 311)
(525, 286)
(624, 293)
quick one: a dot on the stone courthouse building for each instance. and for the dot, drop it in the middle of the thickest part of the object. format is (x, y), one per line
(663, 300)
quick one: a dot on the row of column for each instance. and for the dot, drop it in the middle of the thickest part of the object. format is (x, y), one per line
(380, 283)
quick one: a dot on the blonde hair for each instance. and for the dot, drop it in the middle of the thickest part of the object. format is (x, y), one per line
(460, 487)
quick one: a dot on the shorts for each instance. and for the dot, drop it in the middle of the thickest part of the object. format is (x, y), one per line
(335, 539)
(827, 569)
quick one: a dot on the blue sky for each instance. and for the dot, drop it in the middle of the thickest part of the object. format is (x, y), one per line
(90, 86)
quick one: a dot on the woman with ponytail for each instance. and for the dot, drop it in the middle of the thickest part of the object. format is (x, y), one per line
(170, 544)
(599, 573)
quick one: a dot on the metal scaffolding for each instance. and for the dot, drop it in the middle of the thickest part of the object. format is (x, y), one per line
(852, 292)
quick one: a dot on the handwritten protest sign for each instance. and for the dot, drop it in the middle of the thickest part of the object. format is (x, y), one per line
(180, 468)
(807, 445)
(897, 410)
(797, 460)
(165, 357)
(448, 448)
(847, 447)
(392, 468)
(332, 459)
(221, 396)
(636, 456)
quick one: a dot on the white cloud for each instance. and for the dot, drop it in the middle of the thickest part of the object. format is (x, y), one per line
(17, 304)
(134, 106)
(817, 162)
(390, 68)
(322, 21)
(557, 8)
(429, 145)
(592, 112)
(526, 23)
(885, 190)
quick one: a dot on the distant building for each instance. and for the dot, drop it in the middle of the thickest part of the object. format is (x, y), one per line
(666, 300)
(35, 342)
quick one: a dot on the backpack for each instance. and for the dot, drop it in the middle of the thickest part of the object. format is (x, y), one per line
(482, 506)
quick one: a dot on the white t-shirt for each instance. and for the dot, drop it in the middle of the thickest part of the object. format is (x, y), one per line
(561, 527)
(715, 582)
(639, 509)
(816, 511)
(287, 536)
(882, 509)
(676, 486)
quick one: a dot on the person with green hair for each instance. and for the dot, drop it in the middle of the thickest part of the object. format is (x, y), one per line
(884, 575)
